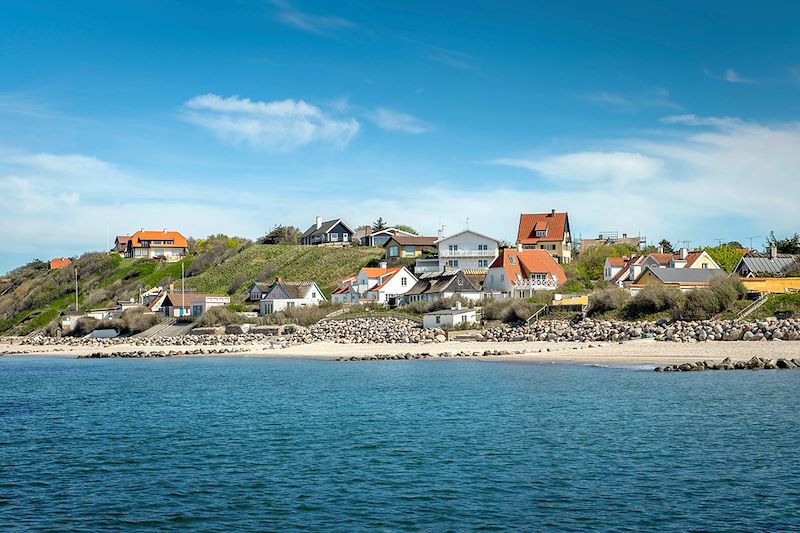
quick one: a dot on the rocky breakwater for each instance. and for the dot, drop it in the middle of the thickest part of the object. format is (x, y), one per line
(374, 331)
(158, 353)
(426, 355)
(755, 363)
(589, 330)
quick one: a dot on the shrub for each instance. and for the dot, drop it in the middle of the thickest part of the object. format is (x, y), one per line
(137, 320)
(420, 308)
(652, 299)
(510, 311)
(84, 326)
(700, 304)
(608, 299)
(236, 283)
(573, 286)
(219, 316)
(303, 316)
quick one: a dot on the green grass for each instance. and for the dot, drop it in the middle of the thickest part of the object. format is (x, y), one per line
(325, 265)
(777, 303)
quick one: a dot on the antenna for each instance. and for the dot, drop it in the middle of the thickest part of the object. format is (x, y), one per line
(719, 241)
(687, 243)
(751, 239)
(467, 222)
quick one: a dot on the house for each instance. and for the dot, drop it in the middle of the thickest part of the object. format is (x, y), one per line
(466, 249)
(282, 295)
(409, 247)
(375, 284)
(177, 304)
(256, 291)
(546, 231)
(613, 266)
(330, 232)
(612, 238)
(431, 287)
(449, 318)
(168, 245)
(635, 266)
(121, 244)
(770, 264)
(69, 320)
(346, 293)
(60, 262)
(681, 278)
(519, 272)
(380, 237)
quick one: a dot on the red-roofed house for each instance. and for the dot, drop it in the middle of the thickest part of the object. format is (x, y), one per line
(375, 284)
(612, 266)
(169, 245)
(518, 273)
(546, 231)
(60, 262)
(121, 244)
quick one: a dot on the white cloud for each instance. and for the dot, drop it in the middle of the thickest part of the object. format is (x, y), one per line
(451, 58)
(397, 121)
(654, 98)
(319, 24)
(590, 167)
(734, 77)
(277, 125)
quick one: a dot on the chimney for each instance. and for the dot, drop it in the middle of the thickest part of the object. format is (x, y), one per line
(458, 306)
(552, 212)
(624, 235)
(519, 246)
(383, 264)
(279, 280)
(318, 222)
(661, 249)
(440, 234)
(171, 287)
(684, 253)
(773, 250)
(367, 230)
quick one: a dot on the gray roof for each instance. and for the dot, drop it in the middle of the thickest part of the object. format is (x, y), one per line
(324, 228)
(438, 282)
(762, 264)
(295, 290)
(684, 275)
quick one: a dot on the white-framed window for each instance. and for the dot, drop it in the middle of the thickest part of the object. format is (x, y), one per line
(483, 247)
(538, 278)
(313, 295)
(483, 263)
(502, 277)
(334, 237)
(452, 262)
(452, 247)
(541, 232)
(704, 265)
(404, 281)
(438, 319)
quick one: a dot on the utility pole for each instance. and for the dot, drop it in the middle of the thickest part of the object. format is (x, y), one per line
(76, 289)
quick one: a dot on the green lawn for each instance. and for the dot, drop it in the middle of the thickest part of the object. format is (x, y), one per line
(778, 303)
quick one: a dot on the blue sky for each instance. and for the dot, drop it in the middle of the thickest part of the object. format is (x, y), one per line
(679, 121)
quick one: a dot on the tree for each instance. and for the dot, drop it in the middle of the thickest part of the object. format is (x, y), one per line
(735, 244)
(666, 246)
(789, 245)
(408, 229)
(282, 235)
(379, 224)
(726, 256)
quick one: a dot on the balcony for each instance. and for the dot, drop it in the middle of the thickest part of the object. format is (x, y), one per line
(468, 253)
(536, 285)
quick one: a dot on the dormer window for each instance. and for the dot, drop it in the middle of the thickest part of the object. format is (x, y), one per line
(512, 259)
(541, 232)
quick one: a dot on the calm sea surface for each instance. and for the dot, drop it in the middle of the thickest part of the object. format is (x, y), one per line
(238, 444)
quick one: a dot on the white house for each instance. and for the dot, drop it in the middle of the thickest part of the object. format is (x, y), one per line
(449, 318)
(178, 304)
(613, 266)
(380, 285)
(286, 294)
(519, 273)
(467, 250)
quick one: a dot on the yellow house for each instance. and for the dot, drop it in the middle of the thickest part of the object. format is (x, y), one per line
(546, 231)
(408, 246)
(772, 285)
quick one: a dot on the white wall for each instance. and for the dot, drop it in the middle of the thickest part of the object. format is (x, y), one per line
(467, 255)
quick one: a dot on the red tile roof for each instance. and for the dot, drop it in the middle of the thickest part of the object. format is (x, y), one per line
(527, 262)
(554, 224)
(375, 272)
(617, 261)
(60, 262)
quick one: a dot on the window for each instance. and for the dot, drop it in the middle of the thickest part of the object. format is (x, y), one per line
(541, 232)
(483, 263)
(334, 237)
(313, 295)
(539, 278)
(438, 319)
(410, 250)
(345, 237)
(548, 247)
(404, 281)
(704, 265)
(502, 277)
(453, 247)
(483, 247)
(452, 262)
(393, 251)
(512, 259)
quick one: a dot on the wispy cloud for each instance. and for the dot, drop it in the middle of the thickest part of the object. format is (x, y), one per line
(397, 121)
(319, 24)
(590, 167)
(730, 75)
(276, 125)
(656, 98)
(451, 58)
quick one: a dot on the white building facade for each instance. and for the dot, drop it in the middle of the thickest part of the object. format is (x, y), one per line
(467, 250)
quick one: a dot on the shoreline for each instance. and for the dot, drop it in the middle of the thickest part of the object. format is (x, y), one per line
(633, 352)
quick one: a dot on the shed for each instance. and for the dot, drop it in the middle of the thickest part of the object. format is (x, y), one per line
(449, 318)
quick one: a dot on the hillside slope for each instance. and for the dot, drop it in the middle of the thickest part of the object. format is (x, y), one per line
(32, 296)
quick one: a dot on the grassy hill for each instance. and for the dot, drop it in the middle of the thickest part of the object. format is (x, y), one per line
(32, 297)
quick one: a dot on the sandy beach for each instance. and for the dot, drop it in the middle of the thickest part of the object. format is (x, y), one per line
(637, 352)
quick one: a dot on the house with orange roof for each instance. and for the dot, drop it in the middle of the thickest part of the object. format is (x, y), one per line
(519, 273)
(167, 245)
(380, 284)
(612, 266)
(546, 231)
(60, 262)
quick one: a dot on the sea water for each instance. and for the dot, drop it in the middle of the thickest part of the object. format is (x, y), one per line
(255, 444)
